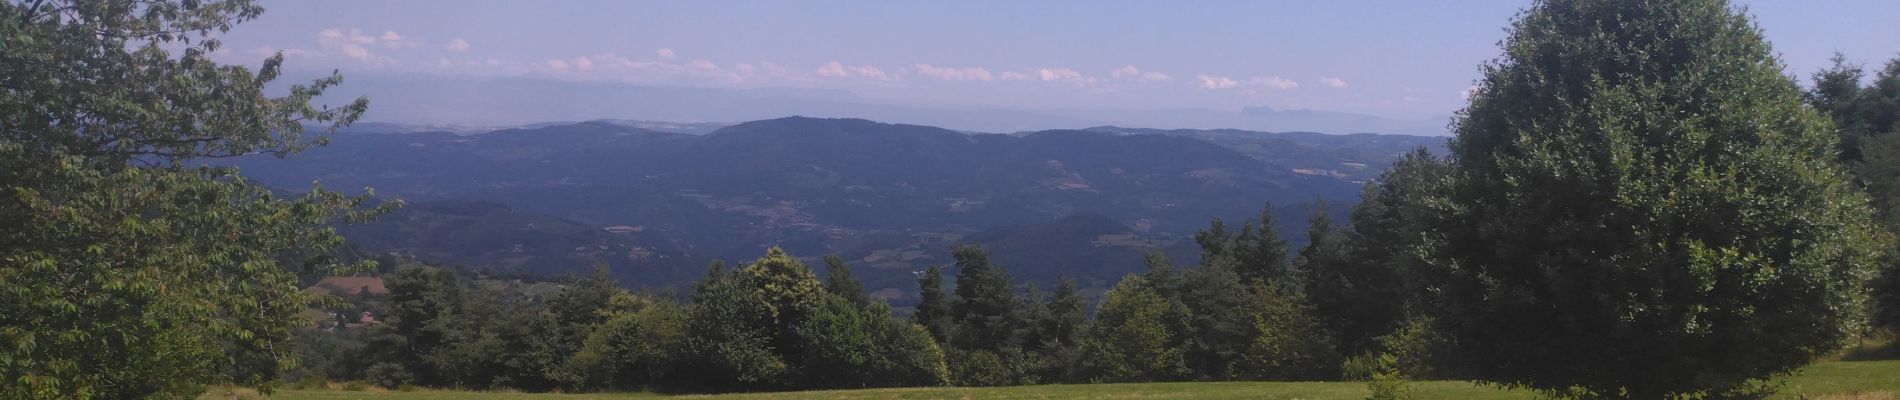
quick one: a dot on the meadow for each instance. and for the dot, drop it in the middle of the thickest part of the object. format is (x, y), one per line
(1843, 380)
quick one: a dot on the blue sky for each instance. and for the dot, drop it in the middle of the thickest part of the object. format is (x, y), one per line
(1406, 59)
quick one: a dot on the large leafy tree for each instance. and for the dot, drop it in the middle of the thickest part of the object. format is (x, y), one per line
(130, 272)
(1131, 339)
(1639, 194)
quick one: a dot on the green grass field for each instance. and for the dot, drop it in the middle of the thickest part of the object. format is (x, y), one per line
(1864, 380)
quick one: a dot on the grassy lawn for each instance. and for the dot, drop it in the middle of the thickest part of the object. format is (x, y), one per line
(1835, 379)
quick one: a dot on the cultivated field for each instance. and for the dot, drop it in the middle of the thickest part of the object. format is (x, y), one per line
(1858, 380)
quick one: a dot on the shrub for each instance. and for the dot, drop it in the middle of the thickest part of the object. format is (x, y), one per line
(388, 375)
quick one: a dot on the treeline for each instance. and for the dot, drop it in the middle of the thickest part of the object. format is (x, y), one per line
(774, 325)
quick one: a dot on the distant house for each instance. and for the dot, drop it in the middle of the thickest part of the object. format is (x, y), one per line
(348, 285)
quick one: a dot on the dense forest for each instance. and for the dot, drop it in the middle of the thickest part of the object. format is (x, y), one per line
(1638, 204)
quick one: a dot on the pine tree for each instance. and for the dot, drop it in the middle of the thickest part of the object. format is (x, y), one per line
(933, 309)
(1639, 193)
(1260, 254)
(840, 282)
(984, 303)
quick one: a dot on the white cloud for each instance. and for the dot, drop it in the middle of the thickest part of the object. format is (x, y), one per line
(835, 69)
(556, 64)
(953, 73)
(1468, 92)
(354, 44)
(356, 52)
(664, 54)
(1217, 82)
(1060, 75)
(1273, 82)
(583, 63)
(1129, 72)
(1333, 82)
(458, 45)
(1014, 76)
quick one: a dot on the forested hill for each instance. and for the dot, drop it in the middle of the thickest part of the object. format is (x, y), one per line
(889, 198)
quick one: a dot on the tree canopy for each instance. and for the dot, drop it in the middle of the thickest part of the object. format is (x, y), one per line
(1638, 193)
(132, 272)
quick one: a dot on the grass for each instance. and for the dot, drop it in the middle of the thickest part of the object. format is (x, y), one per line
(1832, 380)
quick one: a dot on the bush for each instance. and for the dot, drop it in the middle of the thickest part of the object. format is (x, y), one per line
(1386, 383)
(981, 368)
(388, 375)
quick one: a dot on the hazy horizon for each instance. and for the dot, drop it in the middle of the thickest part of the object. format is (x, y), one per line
(989, 66)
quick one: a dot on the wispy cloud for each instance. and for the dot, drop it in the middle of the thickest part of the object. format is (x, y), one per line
(835, 69)
(1273, 82)
(1129, 72)
(952, 73)
(1333, 83)
(458, 45)
(1217, 82)
(664, 54)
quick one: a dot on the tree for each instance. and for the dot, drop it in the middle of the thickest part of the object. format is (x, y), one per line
(1218, 323)
(725, 345)
(564, 322)
(1259, 253)
(1366, 294)
(933, 311)
(984, 303)
(1130, 340)
(1068, 313)
(840, 282)
(1834, 94)
(1285, 341)
(1638, 193)
(631, 350)
(134, 272)
(1337, 285)
(1867, 119)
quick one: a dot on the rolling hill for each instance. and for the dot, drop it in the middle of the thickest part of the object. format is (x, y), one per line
(888, 197)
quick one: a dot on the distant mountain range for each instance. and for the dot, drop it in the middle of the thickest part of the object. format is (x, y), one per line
(430, 100)
(889, 198)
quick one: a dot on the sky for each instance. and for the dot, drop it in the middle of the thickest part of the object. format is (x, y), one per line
(1398, 59)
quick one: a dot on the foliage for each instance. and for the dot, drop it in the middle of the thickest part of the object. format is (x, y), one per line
(933, 311)
(388, 375)
(1130, 340)
(985, 303)
(633, 349)
(840, 282)
(1867, 120)
(1639, 192)
(1259, 253)
(1286, 342)
(129, 272)
(1386, 382)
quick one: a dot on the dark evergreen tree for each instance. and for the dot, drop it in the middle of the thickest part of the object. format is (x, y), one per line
(1259, 253)
(839, 281)
(1216, 243)
(933, 309)
(984, 303)
(1219, 325)
(1639, 193)
(1364, 294)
